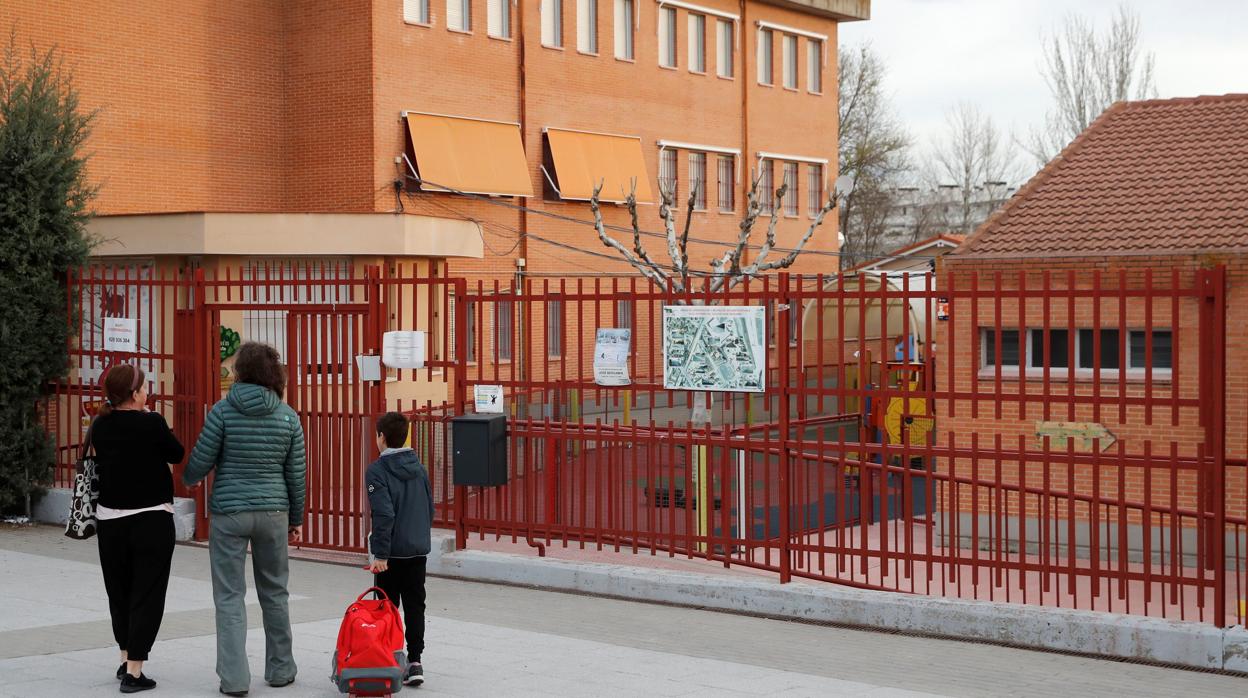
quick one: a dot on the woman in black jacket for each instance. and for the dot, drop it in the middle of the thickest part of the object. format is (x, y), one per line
(133, 450)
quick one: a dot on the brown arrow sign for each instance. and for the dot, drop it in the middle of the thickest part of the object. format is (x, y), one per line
(1083, 433)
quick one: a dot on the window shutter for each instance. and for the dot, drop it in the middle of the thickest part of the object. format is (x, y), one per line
(455, 14)
(621, 26)
(764, 56)
(415, 11)
(494, 17)
(548, 23)
(814, 66)
(582, 25)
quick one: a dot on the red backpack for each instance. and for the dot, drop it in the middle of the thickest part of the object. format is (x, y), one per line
(369, 660)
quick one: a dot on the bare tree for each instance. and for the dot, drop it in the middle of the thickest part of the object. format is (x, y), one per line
(1086, 73)
(727, 271)
(976, 158)
(872, 147)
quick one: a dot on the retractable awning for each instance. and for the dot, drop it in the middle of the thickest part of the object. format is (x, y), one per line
(476, 156)
(582, 160)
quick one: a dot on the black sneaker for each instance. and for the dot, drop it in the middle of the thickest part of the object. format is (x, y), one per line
(130, 684)
(235, 694)
(121, 671)
(415, 675)
(282, 683)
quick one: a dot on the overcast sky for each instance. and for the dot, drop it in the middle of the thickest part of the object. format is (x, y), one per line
(988, 52)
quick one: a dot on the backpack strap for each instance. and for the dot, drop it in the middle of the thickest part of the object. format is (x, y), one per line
(378, 594)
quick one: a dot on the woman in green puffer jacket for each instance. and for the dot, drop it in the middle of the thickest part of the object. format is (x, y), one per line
(254, 442)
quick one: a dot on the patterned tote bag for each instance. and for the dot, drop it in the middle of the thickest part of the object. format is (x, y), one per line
(81, 525)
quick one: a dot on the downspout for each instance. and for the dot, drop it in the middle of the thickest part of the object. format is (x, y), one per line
(520, 369)
(745, 115)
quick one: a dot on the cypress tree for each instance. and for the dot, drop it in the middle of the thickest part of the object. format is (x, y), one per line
(44, 200)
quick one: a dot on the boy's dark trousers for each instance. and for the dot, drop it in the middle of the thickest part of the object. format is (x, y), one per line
(404, 582)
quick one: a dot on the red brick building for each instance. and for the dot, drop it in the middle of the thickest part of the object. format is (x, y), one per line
(305, 138)
(301, 108)
(1150, 194)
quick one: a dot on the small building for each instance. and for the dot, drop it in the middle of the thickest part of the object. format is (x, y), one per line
(1119, 331)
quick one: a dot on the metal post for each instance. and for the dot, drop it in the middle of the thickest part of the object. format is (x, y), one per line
(782, 345)
(460, 399)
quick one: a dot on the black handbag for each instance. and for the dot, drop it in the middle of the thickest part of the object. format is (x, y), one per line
(82, 522)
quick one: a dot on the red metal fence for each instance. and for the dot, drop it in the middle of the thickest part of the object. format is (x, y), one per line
(1044, 438)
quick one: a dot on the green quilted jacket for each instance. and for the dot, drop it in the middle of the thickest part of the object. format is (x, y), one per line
(255, 442)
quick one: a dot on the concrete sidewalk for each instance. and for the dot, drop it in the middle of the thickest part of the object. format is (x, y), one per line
(501, 640)
(701, 584)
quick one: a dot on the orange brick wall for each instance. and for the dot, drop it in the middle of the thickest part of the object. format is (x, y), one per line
(189, 98)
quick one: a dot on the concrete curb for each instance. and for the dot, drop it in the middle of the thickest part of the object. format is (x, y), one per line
(1087, 632)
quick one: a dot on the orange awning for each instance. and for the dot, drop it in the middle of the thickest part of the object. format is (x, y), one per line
(469, 155)
(583, 160)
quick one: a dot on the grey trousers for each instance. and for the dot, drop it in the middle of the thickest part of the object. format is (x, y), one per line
(266, 531)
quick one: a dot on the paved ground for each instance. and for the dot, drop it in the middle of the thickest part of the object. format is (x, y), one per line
(503, 641)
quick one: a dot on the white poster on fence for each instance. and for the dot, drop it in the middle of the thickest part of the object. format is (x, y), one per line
(121, 334)
(715, 348)
(487, 399)
(404, 349)
(611, 350)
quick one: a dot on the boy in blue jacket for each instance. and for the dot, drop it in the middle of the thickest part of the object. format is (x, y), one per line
(402, 513)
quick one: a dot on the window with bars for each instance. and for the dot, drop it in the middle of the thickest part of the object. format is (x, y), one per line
(554, 328)
(766, 186)
(814, 66)
(498, 19)
(587, 26)
(667, 37)
(295, 282)
(504, 327)
(668, 179)
(416, 11)
(624, 10)
(697, 43)
(459, 15)
(726, 45)
(765, 43)
(1111, 349)
(790, 194)
(814, 189)
(789, 58)
(697, 179)
(624, 314)
(727, 184)
(470, 331)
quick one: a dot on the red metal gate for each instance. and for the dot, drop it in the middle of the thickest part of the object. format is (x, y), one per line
(1034, 437)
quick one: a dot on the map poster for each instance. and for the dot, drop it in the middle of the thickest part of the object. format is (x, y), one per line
(611, 349)
(715, 348)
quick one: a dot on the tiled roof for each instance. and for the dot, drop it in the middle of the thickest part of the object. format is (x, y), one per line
(1153, 177)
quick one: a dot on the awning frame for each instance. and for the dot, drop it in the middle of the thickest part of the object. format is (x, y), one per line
(434, 188)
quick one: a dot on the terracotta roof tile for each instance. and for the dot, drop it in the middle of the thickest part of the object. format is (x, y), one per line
(1158, 176)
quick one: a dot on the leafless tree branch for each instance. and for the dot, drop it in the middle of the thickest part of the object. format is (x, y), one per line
(651, 271)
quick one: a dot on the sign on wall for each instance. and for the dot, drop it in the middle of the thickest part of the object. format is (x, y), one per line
(715, 348)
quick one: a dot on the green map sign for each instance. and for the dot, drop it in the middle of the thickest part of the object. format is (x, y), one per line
(714, 348)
